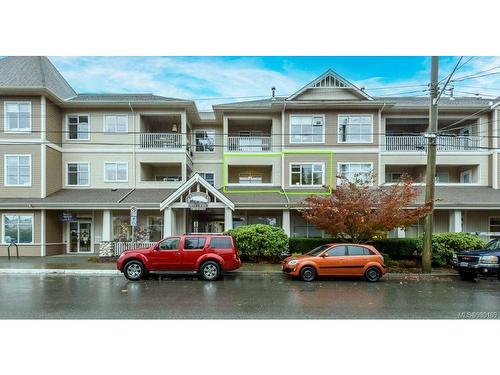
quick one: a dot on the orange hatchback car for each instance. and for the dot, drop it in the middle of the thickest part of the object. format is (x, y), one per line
(337, 260)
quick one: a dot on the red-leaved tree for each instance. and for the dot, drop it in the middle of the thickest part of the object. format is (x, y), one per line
(357, 211)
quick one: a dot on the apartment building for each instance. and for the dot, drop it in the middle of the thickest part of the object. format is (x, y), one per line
(72, 166)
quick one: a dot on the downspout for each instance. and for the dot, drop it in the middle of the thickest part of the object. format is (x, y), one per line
(134, 145)
(381, 146)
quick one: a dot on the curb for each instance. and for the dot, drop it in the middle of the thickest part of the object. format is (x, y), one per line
(91, 272)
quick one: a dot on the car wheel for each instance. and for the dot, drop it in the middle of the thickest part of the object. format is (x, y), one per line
(134, 270)
(467, 275)
(307, 273)
(210, 271)
(373, 274)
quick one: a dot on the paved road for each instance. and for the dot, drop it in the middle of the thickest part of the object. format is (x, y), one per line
(258, 296)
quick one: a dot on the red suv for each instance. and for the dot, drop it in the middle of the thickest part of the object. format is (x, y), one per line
(208, 255)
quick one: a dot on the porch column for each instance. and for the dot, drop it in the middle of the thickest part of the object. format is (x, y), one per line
(167, 222)
(43, 233)
(228, 218)
(286, 222)
(455, 221)
(106, 225)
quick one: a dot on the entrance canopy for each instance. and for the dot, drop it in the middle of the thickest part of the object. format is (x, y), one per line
(197, 194)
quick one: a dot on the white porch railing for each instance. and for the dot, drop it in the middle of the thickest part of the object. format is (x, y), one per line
(160, 140)
(249, 144)
(419, 143)
(112, 248)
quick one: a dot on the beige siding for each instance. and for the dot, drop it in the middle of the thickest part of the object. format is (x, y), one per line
(32, 191)
(54, 234)
(54, 170)
(54, 123)
(331, 128)
(25, 249)
(35, 117)
(326, 93)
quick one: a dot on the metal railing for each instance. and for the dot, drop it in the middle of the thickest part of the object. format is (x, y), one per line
(160, 140)
(8, 249)
(444, 143)
(112, 248)
(249, 144)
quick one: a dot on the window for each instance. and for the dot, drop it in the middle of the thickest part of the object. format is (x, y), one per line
(170, 244)
(221, 243)
(77, 174)
(358, 250)
(495, 227)
(17, 228)
(205, 140)
(442, 177)
(122, 231)
(466, 177)
(355, 129)
(194, 243)
(246, 178)
(306, 174)
(115, 123)
(396, 176)
(302, 228)
(356, 171)
(336, 251)
(208, 176)
(307, 129)
(268, 220)
(115, 172)
(155, 228)
(78, 127)
(17, 116)
(17, 169)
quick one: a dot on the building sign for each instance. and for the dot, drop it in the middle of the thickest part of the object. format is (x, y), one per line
(197, 201)
(133, 216)
(66, 216)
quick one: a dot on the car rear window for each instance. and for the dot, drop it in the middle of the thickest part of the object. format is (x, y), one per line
(358, 250)
(221, 243)
(194, 243)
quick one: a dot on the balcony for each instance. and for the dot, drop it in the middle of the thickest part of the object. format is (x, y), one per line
(444, 143)
(249, 144)
(160, 141)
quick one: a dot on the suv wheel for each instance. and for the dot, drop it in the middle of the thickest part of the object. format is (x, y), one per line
(307, 273)
(210, 271)
(372, 274)
(134, 270)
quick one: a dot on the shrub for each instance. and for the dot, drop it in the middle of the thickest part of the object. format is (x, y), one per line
(303, 244)
(259, 241)
(445, 244)
(397, 248)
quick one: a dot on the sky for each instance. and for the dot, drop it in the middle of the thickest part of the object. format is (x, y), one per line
(213, 80)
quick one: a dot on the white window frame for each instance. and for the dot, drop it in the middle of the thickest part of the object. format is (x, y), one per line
(6, 123)
(67, 127)
(312, 117)
(104, 125)
(19, 214)
(390, 176)
(206, 131)
(301, 163)
(67, 179)
(354, 163)
(116, 163)
(5, 170)
(464, 173)
(339, 138)
(204, 173)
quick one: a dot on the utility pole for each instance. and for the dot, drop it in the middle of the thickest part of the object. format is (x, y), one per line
(431, 168)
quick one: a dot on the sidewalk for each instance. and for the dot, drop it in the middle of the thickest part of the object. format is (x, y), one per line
(80, 265)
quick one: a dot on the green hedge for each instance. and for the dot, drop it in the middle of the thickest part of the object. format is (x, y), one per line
(445, 244)
(260, 241)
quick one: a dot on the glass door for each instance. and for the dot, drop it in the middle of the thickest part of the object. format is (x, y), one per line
(80, 237)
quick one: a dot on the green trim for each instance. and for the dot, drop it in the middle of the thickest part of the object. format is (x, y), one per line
(272, 154)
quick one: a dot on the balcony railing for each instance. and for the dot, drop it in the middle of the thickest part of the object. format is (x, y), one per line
(112, 248)
(444, 143)
(249, 144)
(160, 140)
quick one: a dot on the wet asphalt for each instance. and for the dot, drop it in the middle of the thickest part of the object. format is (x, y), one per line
(262, 296)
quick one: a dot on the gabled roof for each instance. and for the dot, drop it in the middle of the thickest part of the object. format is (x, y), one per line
(36, 72)
(330, 79)
(196, 178)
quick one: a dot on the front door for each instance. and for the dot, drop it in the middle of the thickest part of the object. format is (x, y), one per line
(80, 237)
